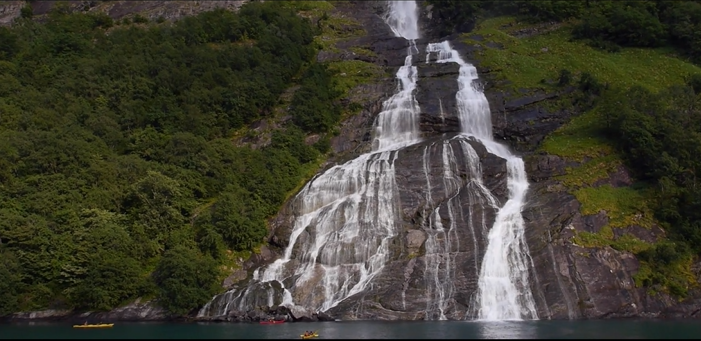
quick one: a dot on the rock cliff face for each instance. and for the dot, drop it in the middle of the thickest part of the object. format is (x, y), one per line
(579, 282)
(568, 281)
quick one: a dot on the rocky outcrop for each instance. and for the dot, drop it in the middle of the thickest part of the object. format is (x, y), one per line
(437, 252)
(9, 10)
(435, 92)
(434, 27)
(135, 311)
(583, 282)
(524, 120)
(152, 10)
(428, 263)
(266, 313)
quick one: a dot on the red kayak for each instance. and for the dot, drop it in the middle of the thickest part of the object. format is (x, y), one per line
(272, 322)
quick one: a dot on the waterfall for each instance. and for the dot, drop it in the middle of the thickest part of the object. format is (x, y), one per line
(402, 18)
(347, 216)
(503, 289)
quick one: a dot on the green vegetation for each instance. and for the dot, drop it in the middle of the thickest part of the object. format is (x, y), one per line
(353, 73)
(650, 68)
(664, 268)
(624, 206)
(608, 25)
(118, 176)
(313, 108)
(335, 28)
(641, 108)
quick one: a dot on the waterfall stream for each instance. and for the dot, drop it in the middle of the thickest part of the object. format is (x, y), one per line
(504, 292)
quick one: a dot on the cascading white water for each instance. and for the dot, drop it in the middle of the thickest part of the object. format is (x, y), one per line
(402, 18)
(345, 217)
(503, 289)
(442, 243)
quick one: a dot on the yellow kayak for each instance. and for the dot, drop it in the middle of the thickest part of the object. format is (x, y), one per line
(103, 325)
(309, 336)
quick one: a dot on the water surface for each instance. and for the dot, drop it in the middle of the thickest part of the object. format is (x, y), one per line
(622, 329)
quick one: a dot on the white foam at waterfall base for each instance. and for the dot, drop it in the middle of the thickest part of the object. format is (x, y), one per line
(346, 216)
(503, 289)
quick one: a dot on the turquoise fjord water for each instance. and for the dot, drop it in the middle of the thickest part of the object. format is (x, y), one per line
(623, 329)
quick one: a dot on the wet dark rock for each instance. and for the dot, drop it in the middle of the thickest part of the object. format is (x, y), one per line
(541, 167)
(649, 235)
(594, 222)
(524, 122)
(256, 315)
(302, 314)
(435, 92)
(324, 317)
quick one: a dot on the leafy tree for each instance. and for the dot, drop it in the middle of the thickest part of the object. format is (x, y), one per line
(27, 12)
(624, 23)
(313, 107)
(110, 280)
(659, 135)
(185, 279)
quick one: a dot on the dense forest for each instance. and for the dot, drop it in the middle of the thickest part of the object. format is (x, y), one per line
(657, 134)
(118, 175)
